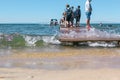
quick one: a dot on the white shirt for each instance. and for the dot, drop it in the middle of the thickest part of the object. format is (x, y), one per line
(88, 7)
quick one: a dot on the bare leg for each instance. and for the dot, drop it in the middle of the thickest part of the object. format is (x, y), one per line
(88, 24)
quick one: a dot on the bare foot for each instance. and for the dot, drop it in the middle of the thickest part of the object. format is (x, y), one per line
(88, 27)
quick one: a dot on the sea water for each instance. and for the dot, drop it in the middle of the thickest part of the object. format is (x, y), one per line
(24, 35)
(20, 39)
(20, 35)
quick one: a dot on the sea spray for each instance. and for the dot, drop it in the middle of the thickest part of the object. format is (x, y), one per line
(17, 40)
(93, 33)
(101, 44)
(31, 40)
(53, 39)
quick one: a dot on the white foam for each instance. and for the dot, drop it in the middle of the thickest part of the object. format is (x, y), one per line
(92, 33)
(31, 40)
(51, 40)
(101, 44)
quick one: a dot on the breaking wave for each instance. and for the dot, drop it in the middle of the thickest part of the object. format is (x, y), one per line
(84, 34)
(18, 40)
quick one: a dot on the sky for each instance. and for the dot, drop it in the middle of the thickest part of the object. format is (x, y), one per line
(41, 11)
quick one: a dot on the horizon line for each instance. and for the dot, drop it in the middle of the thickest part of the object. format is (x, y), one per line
(49, 23)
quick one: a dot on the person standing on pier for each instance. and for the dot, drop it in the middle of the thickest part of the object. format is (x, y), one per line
(78, 16)
(88, 11)
(68, 15)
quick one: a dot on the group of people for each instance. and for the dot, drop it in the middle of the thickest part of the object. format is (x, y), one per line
(69, 15)
(53, 22)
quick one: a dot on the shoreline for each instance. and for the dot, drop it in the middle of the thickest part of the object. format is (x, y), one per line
(67, 64)
(64, 59)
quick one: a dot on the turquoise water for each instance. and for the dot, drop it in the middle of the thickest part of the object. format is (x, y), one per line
(28, 29)
(20, 35)
(24, 35)
(46, 29)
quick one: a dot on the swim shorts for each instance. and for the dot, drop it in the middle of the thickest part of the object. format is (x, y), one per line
(88, 14)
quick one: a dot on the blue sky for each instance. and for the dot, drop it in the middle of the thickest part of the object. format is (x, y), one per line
(41, 11)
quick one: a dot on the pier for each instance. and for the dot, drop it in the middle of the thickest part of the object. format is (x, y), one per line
(81, 34)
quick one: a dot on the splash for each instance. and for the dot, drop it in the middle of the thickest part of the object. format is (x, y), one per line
(92, 34)
(52, 40)
(102, 44)
(13, 40)
(31, 40)
(84, 33)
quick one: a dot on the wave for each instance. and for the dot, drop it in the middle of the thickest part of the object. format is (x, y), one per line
(18, 40)
(94, 33)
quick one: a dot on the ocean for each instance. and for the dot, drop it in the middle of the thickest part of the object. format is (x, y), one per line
(21, 35)
(25, 35)
(37, 46)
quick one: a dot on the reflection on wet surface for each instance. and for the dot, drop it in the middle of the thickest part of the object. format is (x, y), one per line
(76, 62)
(88, 58)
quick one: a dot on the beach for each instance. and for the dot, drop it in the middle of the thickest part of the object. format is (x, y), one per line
(39, 41)
(33, 52)
(77, 74)
(67, 64)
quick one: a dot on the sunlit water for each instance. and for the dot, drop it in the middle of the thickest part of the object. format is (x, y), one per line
(38, 39)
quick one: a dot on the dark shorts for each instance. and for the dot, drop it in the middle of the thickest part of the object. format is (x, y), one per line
(88, 14)
(78, 18)
(68, 18)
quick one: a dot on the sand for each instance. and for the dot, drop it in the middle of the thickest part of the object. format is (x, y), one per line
(98, 62)
(77, 74)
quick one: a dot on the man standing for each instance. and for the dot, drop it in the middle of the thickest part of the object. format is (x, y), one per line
(78, 16)
(68, 15)
(88, 11)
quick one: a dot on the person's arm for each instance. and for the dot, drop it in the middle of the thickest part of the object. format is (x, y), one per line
(90, 7)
